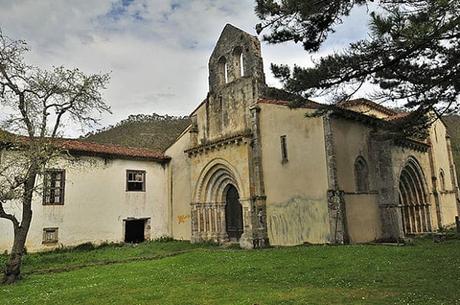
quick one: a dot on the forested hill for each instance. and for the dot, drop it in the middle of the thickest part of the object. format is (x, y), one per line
(453, 126)
(152, 131)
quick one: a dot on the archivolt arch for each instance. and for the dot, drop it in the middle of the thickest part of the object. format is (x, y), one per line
(214, 179)
(209, 208)
(413, 198)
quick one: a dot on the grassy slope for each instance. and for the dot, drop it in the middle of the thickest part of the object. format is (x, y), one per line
(453, 126)
(361, 274)
(154, 132)
(70, 259)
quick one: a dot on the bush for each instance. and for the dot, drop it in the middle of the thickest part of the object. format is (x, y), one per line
(84, 247)
(164, 239)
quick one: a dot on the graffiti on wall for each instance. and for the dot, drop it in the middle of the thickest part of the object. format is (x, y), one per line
(182, 218)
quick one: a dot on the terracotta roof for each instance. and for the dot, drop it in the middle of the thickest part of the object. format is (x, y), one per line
(369, 103)
(398, 116)
(392, 115)
(308, 104)
(111, 149)
(91, 148)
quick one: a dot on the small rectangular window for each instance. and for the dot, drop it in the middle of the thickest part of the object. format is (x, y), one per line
(53, 187)
(284, 152)
(50, 235)
(135, 181)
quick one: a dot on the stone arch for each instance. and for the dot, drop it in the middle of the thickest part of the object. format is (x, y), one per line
(222, 70)
(413, 198)
(361, 175)
(210, 200)
(442, 180)
(238, 62)
(214, 177)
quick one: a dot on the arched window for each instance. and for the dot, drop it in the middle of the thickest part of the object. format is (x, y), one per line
(361, 175)
(442, 180)
(223, 70)
(238, 64)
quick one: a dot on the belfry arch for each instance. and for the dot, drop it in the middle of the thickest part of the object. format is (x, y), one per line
(217, 214)
(413, 199)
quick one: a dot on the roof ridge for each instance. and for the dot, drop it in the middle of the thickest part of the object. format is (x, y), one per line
(370, 103)
(80, 146)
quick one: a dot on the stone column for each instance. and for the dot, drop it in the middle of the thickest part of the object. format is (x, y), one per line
(254, 208)
(213, 219)
(381, 147)
(336, 201)
(195, 223)
(453, 173)
(222, 236)
(434, 183)
(202, 222)
(247, 238)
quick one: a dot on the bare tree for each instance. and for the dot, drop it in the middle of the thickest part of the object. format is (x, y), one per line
(37, 104)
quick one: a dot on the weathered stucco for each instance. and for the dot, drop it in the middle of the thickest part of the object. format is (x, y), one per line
(297, 221)
(442, 162)
(363, 218)
(351, 140)
(296, 189)
(179, 191)
(96, 204)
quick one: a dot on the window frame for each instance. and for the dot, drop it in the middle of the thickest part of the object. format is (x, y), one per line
(442, 180)
(55, 230)
(284, 149)
(144, 179)
(46, 188)
(362, 182)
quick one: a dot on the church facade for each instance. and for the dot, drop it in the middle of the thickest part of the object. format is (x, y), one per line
(250, 169)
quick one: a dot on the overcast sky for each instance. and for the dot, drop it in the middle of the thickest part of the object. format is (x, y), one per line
(156, 50)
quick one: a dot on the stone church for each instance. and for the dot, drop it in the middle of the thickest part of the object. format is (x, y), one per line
(250, 169)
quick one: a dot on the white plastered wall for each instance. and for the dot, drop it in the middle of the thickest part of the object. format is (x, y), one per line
(96, 204)
(296, 190)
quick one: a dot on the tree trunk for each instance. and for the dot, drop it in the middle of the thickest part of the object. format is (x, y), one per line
(12, 271)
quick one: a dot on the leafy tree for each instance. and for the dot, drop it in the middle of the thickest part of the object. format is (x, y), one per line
(412, 53)
(38, 103)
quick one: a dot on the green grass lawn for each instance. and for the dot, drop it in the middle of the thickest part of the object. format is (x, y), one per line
(425, 273)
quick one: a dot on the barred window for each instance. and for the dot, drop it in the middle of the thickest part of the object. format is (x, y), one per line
(135, 181)
(53, 191)
(50, 235)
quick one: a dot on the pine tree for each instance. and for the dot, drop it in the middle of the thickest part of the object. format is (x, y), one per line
(412, 53)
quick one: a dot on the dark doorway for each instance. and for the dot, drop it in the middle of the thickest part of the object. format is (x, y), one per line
(134, 231)
(233, 214)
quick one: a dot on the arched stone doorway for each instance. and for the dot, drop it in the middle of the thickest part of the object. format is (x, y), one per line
(233, 214)
(217, 210)
(413, 199)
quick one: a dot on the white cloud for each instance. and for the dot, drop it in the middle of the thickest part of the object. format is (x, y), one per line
(156, 50)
